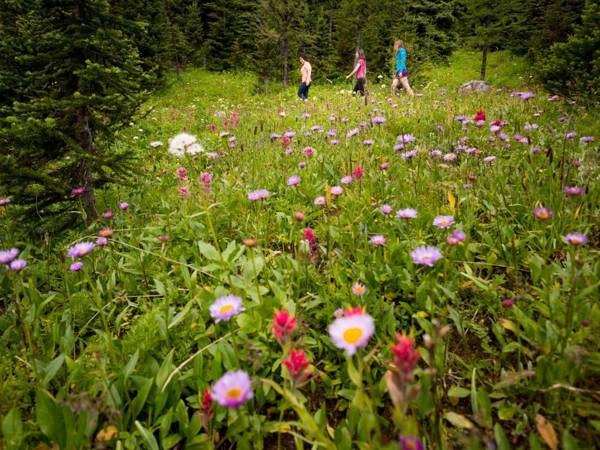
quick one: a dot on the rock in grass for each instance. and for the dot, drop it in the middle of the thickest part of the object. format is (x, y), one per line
(474, 86)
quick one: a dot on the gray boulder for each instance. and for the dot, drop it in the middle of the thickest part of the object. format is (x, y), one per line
(474, 86)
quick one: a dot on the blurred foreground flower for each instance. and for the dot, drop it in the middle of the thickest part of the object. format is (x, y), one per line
(184, 143)
(233, 389)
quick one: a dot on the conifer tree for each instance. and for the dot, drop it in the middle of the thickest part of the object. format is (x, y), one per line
(77, 78)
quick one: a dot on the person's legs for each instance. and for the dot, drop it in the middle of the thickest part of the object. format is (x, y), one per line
(406, 86)
(301, 91)
(360, 86)
(394, 85)
(306, 87)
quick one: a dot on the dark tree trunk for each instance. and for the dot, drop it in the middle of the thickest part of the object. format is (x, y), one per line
(483, 62)
(86, 140)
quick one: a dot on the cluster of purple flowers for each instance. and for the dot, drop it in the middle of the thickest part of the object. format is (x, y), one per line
(8, 259)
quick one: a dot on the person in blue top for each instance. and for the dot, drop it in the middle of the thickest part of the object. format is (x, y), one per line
(401, 72)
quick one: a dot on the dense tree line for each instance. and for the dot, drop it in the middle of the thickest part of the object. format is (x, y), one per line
(73, 71)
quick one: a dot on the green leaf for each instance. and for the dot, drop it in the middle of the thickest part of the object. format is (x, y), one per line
(147, 436)
(165, 369)
(208, 251)
(128, 370)
(12, 429)
(458, 420)
(50, 418)
(501, 441)
(458, 392)
(140, 400)
(52, 368)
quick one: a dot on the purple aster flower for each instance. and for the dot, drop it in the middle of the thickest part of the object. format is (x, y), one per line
(308, 134)
(7, 256)
(320, 201)
(407, 213)
(344, 119)
(302, 164)
(352, 132)
(17, 265)
(408, 155)
(233, 389)
(305, 115)
(542, 213)
(260, 194)
(436, 153)
(76, 266)
(384, 165)
(101, 242)
(398, 147)
(378, 120)
(332, 133)
(536, 150)
(346, 180)
(4, 201)
(224, 308)
(426, 255)
(489, 159)
(336, 190)
(450, 157)
(289, 134)
(574, 191)
(80, 249)
(410, 443)
(586, 139)
(368, 142)
(316, 128)
(406, 138)
(123, 205)
(571, 135)
(107, 214)
(363, 124)
(334, 142)
(443, 221)
(377, 240)
(495, 128)
(576, 238)
(460, 118)
(467, 186)
(275, 136)
(294, 180)
(385, 209)
(503, 137)
(456, 237)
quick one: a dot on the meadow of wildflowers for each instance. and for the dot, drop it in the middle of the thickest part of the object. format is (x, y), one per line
(395, 273)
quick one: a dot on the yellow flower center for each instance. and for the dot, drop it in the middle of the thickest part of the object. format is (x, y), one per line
(225, 309)
(360, 289)
(82, 252)
(234, 393)
(543, 215)
(352, 335)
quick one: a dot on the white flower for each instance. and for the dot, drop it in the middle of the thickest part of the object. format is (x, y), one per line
(155, 144)
(184, 143)
(352, 332)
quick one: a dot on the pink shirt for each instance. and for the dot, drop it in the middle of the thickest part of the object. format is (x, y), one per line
(362, 70)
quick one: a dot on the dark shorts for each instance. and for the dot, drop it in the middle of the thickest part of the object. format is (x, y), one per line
(303, 91)
(402, 74)
(359, 86)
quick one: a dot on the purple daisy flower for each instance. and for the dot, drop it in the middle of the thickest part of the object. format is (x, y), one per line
(101, 242)
(260, 194)
(436, 153)
(289, 134)
(542, 213)
(426, 255)
(320, 201)
(352, 132)
(378, 120)
(571, 135)
(450, 157)
(574, 191)
(7, 256)
(331, 133)
(406, 138)
(316, 128)
(398, 147)
(80, 249)
(224, 308)
(408, 155)
(489, 159)
(576, 238)
(456, 237)
(4, 201)
(334, 142)
(294, 180)
(233, 389)
(586, 139)
(123, 205)
(76, 266)
(275, 136)
(336, 190)
(443, 221)
(368, 142)
(407, 213)
(17, 265)
(378, 240)
(385, 209)
(346, 180)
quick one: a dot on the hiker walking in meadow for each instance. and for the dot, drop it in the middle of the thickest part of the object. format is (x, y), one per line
(360, 72)
(306, 73)
(401, 71)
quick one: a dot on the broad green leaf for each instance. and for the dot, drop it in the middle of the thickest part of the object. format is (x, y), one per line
(147, 437)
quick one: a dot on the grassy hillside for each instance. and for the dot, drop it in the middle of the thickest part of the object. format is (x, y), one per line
(120, 352)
